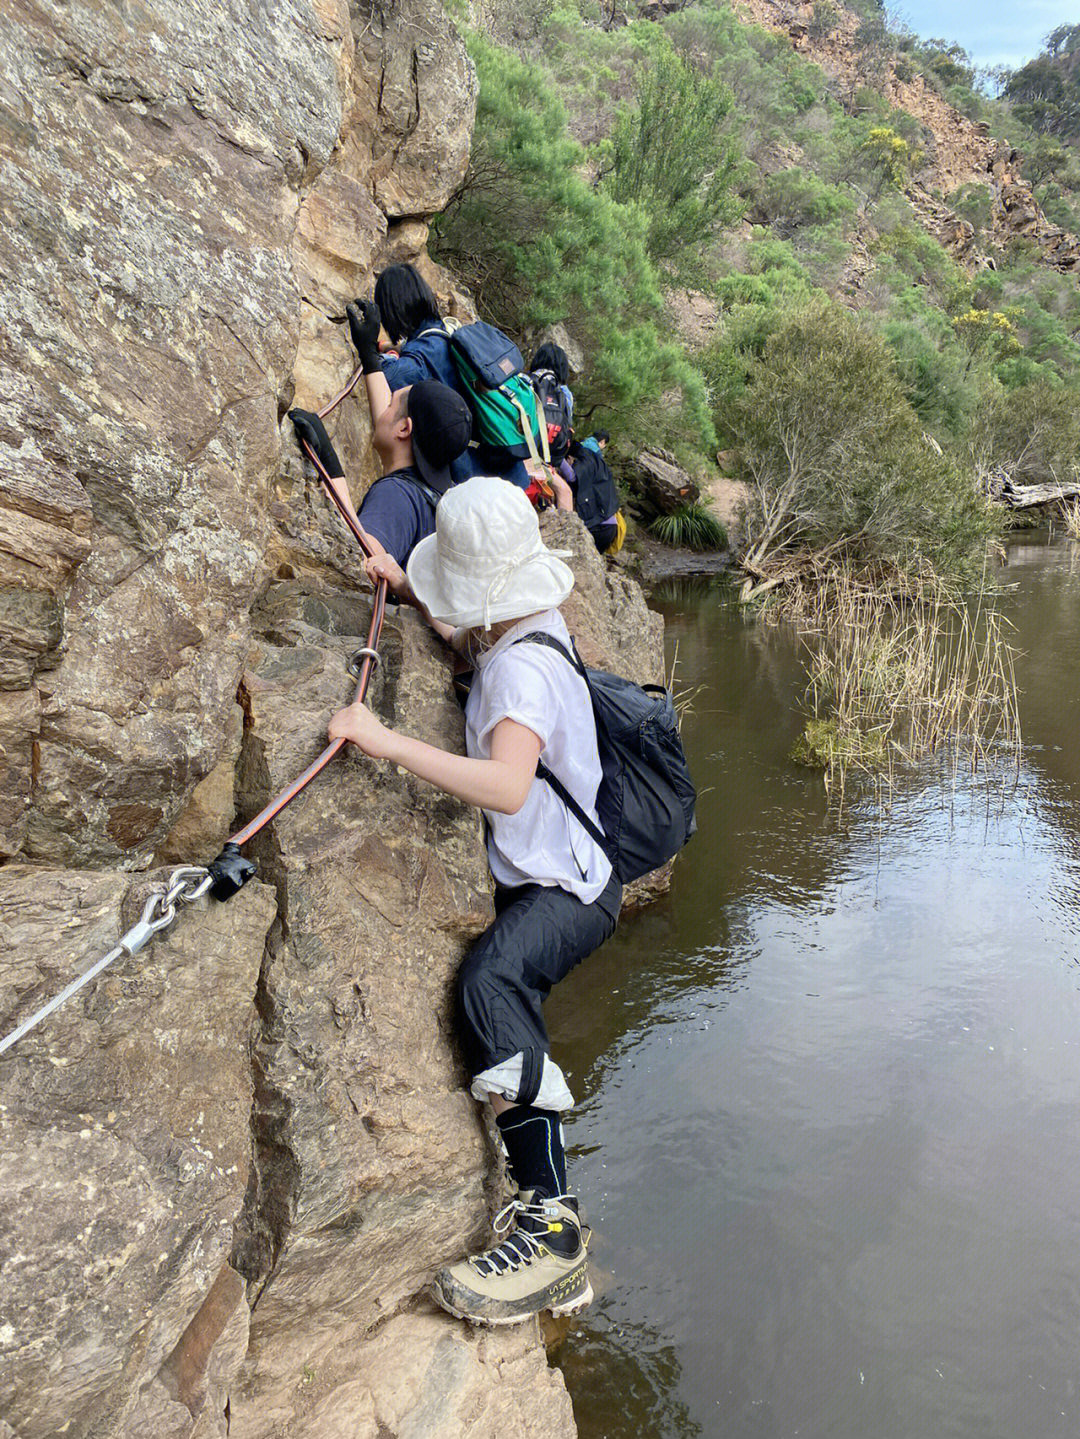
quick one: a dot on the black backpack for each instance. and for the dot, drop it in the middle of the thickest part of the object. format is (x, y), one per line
(596, 497)
(646, 798)
(556, 413)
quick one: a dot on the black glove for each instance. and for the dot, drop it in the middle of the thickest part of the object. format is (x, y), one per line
(364, 325)
(309, 427)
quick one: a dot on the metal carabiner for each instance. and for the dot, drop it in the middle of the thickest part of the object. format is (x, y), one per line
(149, 924)
(188, 882)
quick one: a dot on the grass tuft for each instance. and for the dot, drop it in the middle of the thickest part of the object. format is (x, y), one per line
(1070, 518)
(690, 527)
(897, 675)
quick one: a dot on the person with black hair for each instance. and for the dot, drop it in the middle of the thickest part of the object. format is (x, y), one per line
(406, 308)
(549, 371)
(597, 441)
(409, 313)
(553, 358)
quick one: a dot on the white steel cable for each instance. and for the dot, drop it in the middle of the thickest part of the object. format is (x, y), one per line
(187, 883)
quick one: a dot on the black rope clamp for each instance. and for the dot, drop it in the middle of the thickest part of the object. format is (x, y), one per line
(364, 652)
(230, 872)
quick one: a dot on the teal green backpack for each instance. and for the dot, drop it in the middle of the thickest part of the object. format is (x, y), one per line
(506, 412)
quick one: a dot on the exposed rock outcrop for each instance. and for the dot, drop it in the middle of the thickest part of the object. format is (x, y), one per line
(124, 1158)
(960, 151)
(231, 1163)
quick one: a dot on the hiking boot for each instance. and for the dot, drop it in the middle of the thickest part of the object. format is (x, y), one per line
(541, 1264)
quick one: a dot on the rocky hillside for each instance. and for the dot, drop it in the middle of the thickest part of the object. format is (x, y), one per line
(229, 1167)
(961, 151)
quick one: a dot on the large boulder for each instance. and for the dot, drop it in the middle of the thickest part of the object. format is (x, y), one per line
(660, 483)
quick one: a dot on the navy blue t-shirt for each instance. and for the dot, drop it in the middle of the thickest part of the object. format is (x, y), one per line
(398, 513)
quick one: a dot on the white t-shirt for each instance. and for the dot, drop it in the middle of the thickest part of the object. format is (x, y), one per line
(535, 685)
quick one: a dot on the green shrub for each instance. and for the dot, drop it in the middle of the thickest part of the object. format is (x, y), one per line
(538, 244)
(925, 261)
(974, 203)
(933, 371)
(1032, 431)
(824, 18)
(672, 157)
(789, 199)
(836, 454)
(690, 527)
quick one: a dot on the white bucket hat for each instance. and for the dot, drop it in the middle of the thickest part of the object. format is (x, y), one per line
(486, 561)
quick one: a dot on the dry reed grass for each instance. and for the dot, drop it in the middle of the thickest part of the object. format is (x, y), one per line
(1070, 518)
(898, 673)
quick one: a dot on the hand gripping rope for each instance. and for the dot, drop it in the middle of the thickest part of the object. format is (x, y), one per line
(231, 871)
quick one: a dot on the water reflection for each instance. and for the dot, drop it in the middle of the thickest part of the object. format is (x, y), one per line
(640, 1376)
(830, 1122)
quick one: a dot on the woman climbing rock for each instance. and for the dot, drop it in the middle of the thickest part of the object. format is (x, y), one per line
(485, 581)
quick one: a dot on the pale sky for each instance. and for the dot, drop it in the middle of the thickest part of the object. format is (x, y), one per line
(993, 32)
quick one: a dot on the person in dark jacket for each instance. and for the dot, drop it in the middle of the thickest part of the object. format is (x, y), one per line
(406, 308)
(554, 358)
(408, 311)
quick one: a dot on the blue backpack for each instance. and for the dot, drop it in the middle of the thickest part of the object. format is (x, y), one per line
(646, 798)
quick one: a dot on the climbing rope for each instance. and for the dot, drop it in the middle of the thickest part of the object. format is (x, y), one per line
(230, 871)
(233, 871)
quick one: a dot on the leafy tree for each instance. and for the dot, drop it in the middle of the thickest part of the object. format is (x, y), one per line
(673, 157)
(837, 458)
(1045, 92)
(538, 244)
(948, 63)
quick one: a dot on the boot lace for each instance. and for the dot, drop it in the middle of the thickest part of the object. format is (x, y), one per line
(523, 1245)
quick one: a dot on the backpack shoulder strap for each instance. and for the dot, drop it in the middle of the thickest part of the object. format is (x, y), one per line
(417, 483)
(538, 637)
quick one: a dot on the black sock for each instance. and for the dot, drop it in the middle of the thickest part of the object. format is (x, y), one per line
(533, 1139)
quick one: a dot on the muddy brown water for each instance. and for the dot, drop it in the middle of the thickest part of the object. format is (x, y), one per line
(829, 1090)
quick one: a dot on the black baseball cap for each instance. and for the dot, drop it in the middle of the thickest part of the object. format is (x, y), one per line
(441, 430)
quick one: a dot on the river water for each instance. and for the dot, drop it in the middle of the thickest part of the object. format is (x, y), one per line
(829, 1129)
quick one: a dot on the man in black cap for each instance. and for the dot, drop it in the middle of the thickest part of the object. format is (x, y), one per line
(418, 432)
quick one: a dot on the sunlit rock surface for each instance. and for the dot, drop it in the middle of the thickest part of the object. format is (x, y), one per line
(230, 1165)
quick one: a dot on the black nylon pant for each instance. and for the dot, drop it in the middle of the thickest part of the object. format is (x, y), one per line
(539, 934)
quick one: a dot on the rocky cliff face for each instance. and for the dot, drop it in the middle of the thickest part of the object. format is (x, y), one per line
(229, 1167)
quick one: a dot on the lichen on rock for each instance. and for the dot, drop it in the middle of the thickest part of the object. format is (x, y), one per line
(231, 1163)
